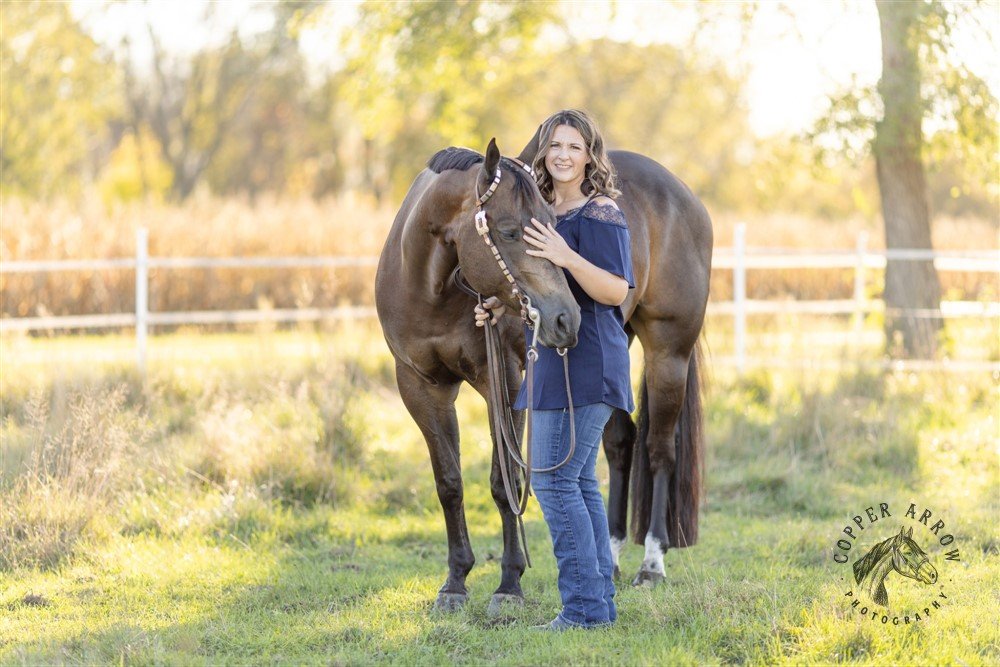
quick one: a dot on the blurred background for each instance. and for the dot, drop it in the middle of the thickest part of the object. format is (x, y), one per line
(246, 485)
(293, 128)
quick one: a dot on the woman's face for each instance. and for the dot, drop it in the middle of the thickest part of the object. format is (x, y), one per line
(567, 156)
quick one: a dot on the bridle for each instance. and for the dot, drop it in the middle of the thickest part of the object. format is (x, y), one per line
(528, 314)
(913, 565)
(500, 412)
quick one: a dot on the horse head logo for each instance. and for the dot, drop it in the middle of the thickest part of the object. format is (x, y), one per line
(899, 553)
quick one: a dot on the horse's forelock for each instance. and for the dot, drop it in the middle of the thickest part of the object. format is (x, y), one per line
(524, 185)
(910, 542)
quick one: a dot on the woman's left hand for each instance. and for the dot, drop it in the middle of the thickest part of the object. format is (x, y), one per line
(549, 244)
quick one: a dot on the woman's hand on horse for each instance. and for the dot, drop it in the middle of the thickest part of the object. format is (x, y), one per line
(490, 305)
(548, 244)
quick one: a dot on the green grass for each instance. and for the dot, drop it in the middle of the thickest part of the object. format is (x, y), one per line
(265, 498)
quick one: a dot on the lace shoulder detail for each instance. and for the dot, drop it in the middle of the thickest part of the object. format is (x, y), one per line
(604, 213)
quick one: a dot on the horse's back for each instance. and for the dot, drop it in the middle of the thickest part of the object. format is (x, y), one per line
(671, 240)
(668, 197)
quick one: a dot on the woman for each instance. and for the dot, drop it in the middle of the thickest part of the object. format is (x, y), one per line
(590, 241)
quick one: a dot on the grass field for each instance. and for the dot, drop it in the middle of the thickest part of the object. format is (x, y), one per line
(265, 498)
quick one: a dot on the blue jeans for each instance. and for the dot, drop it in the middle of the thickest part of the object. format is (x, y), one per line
(574, 511)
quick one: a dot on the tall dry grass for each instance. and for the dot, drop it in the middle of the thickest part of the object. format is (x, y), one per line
(85, 455)
(207, 226)
(65, 466)
(203, 226)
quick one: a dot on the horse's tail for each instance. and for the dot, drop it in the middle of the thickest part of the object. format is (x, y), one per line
(684, 499)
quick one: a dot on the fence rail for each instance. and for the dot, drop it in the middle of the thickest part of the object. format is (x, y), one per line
(738, 258)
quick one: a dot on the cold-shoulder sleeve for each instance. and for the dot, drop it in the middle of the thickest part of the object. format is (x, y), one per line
(605, 241)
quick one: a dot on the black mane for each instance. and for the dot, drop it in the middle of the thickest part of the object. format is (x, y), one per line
(864, 565)
(461, 159)
(454, 157)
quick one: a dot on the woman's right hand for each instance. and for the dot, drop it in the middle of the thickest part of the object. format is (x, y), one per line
(490, 305)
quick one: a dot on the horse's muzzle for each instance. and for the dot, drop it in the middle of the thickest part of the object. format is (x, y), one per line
(927, 573)
(559, 329)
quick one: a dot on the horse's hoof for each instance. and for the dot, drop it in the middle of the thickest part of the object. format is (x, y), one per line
(499, 600)
(647, 579)
(450, 601)
(617, 574)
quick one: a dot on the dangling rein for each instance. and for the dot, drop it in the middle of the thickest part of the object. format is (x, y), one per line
(501, 413)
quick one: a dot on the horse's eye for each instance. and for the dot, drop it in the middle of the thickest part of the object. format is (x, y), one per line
(509, 234)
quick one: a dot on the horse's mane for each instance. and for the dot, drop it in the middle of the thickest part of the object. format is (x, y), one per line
(455, 157)
(863, 566)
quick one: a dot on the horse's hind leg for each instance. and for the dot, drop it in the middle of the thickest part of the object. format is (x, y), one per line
(665, 384)
(619, 439)
(666, 370)
(433, 408)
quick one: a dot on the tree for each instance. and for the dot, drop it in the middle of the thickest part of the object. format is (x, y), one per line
(193, 107)
(58, 97)
(190, 107)
(423, 74)
(912, 289)
(921, 80)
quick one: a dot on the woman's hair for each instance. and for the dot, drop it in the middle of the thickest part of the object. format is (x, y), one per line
(599, 176)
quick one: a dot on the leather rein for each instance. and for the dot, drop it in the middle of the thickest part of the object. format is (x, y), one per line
(500, 412)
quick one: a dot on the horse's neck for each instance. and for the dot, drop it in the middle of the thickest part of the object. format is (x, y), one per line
(427, 262)
(874, 581)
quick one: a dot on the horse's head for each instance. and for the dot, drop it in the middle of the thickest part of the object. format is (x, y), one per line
(508, 211)
(910, 560)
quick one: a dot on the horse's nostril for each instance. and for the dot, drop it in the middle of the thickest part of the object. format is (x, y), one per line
(562, 323)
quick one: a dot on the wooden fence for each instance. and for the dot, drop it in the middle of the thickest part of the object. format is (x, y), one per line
(739, 258)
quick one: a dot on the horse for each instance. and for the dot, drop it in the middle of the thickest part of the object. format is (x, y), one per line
(899, 553)
(427, 323)
(429, 327)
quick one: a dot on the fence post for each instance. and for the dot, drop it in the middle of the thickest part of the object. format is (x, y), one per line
(740, 296)
(141, 296)
(860, 302)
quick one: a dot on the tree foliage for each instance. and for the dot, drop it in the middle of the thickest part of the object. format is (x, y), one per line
(245, 114)
(961, 146)
(425, 75)
(59, 99)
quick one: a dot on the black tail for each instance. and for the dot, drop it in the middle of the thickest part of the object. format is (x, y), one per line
(686, 479)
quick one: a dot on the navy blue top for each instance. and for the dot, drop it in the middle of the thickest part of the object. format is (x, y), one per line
(599, 364)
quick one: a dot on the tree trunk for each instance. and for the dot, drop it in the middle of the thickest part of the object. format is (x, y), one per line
(912, 290)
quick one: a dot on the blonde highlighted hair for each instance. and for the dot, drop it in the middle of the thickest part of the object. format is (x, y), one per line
(599, 176)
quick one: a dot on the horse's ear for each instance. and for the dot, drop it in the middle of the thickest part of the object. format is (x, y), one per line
(527, 155)
(490, 165)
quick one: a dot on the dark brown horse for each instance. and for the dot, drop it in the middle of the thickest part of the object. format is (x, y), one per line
(429, 328)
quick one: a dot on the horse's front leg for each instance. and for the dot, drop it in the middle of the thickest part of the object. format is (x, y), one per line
(433, 408)
(512, 563)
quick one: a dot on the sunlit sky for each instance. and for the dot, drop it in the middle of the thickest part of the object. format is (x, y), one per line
(793, 60)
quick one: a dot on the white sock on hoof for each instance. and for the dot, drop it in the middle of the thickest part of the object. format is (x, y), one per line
(616, 549)
(653, 561)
